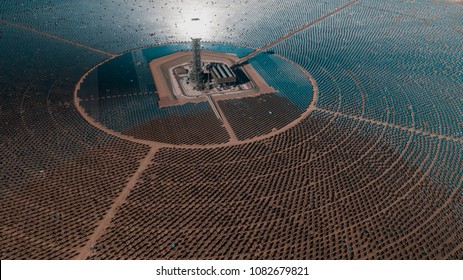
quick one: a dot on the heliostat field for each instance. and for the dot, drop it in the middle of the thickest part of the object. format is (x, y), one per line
(342, 137)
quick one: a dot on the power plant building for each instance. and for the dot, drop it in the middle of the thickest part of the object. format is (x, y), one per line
(222, 74)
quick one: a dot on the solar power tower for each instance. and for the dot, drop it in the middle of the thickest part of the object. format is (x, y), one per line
(196, 71)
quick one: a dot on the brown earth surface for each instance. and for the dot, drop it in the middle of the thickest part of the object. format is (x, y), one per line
(162, 77)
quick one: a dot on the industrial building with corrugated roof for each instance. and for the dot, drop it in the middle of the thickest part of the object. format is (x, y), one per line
(222, 74)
